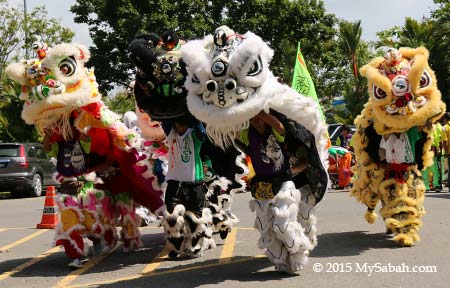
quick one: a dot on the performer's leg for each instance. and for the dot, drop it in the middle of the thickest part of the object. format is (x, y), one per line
(130, 222)
(198, 220)
(70, 229)
(173, 220)
(435, 171)
(403, 207)
(448, 171)
(280, 232)
(426, 178)
(92, 200)
(219, 204)
(306, 214)
(110, 221)
(288, 230)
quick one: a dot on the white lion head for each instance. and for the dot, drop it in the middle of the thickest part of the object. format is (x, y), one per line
(225, 75)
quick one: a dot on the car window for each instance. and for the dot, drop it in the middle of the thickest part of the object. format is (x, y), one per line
(30, 152)
(9, 151)
(336, 131)
(40, 153)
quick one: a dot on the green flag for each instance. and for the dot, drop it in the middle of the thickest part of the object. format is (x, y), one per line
(302, 81)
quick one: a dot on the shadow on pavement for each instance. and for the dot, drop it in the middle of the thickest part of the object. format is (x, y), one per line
(350, 243)
(243, 269)
(55, 265)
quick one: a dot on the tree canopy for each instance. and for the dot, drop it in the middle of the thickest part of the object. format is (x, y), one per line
(114, 23)
(434, 34)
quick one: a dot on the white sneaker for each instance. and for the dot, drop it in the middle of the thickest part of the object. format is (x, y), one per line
(75, 264)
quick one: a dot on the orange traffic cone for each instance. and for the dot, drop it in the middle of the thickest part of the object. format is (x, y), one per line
(49, 215)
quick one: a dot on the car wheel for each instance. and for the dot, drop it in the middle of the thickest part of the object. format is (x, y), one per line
(36, 190)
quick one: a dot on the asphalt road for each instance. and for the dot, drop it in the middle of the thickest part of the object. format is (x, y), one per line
(348, 249)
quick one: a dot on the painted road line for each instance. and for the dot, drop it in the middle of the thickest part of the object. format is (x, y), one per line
(149, 269)
(23, 240)
(245, 228)
(90, 264)
(3, 229)
(156, 261)
(228, 247)
(137, 276)
(151, 227)
(27, 264)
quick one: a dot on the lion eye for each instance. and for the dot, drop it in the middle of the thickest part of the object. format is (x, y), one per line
(67, 66)
(219, 68)
(256, 68)
(379, 93)
(400, 85)
(425, 80)
(195, 79)
(211, 85)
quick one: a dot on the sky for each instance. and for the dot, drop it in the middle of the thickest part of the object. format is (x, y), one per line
(375, 15)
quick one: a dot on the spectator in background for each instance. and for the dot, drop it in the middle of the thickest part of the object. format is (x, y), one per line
(436, 146)
(445, 140)
(344, 137)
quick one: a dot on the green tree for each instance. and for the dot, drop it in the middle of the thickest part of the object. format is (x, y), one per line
(354, 89)
(440, 54)
(433, 33)
(37, 26)
(12, 126)
(113, 24)
(13, 42)
(413, 34)
(120, 103)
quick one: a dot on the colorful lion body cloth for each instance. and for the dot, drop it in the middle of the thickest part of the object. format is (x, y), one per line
(61, 99)
(393, 139)
(229, 85)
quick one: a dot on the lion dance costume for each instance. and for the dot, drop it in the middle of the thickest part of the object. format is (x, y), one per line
(404, 102)
(62, 100)
(194, 209)
(228, 83)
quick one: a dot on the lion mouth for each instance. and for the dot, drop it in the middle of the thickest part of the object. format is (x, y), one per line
(54, 107)
(402, 107)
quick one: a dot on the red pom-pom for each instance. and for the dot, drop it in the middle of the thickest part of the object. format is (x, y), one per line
(407, 97)
(399, 102)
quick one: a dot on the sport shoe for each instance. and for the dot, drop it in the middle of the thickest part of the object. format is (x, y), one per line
(283, 268)
(196, 255)
(75, 264)
(223, 234)
(84, 259)
(389, 233)
(97, 247)
(173, 254)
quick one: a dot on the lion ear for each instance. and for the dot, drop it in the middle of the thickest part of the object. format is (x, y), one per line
(16, 72)
(83, 53)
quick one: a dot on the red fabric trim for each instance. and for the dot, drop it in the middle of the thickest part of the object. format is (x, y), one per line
(399, 169)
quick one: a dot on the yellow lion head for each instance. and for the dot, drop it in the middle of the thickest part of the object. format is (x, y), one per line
(403, 90)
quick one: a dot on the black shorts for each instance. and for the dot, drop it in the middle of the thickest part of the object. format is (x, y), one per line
(190, 194)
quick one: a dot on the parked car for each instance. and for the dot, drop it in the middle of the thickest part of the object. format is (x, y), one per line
(25, 169)
(335, 129)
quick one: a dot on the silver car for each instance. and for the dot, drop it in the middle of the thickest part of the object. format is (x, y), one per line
(25, 169)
